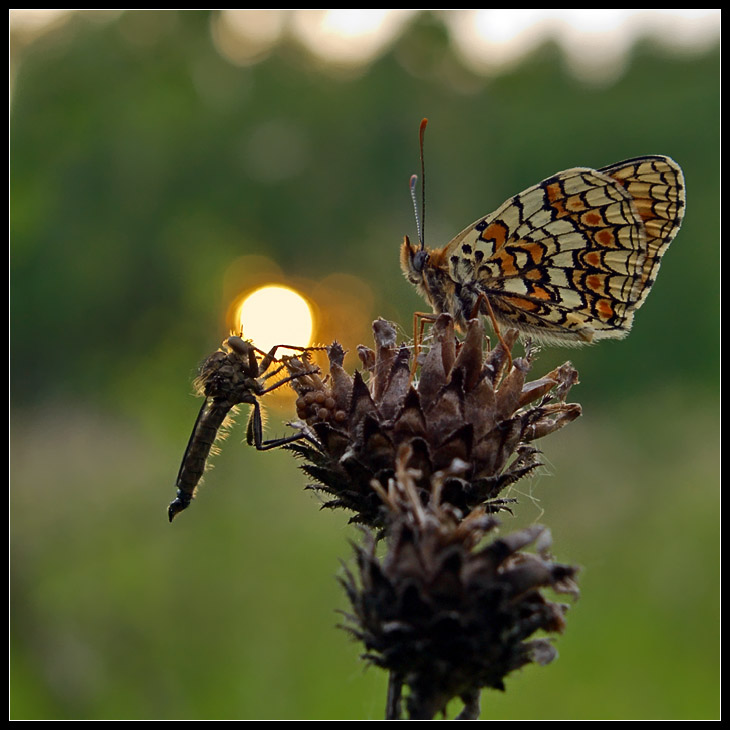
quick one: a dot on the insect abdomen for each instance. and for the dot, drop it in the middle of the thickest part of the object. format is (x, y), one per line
(211, 417)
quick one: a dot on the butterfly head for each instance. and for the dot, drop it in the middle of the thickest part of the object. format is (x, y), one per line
(413, 261)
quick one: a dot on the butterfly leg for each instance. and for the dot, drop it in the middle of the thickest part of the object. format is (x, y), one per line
(483, 298)
(422, 318)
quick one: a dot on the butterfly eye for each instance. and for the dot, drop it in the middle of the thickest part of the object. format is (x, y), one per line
(419, 260)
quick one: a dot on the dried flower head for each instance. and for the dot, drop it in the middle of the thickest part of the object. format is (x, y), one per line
(423, 462)
(445, 612)
(465, 408)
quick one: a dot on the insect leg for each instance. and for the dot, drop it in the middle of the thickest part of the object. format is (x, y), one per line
(265, 376)
(288, 379)
(254, 432)
(269, 356)
(254, 429)
(421, 317)
(393, 700)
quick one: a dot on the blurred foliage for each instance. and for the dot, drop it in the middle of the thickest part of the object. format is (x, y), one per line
(143, 167)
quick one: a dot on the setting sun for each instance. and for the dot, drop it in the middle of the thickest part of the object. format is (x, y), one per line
(276, 315)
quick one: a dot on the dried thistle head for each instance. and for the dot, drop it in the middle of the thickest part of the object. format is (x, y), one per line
(465, 408)
(446, 611)
(450, 608)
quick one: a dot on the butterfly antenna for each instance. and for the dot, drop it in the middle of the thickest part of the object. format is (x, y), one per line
(412, 185)
(414, 179)
(421, 132)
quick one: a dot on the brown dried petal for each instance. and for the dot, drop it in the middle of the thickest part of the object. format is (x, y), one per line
(385, 351)
(361, 404)
(498, 357)
(443, 330)
(471, 355)
(535, 390)
(446, 411)
(410, 422)
(510, 390)
(398, 382)
(367, 357)
(553, 418)
(342, 384)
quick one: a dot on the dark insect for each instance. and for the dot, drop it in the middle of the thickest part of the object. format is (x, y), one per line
(232, 375)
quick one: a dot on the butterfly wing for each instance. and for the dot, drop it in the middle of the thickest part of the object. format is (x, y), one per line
(656, 185)
(571, 259)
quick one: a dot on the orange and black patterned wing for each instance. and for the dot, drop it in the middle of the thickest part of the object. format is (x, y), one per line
(570, 260)
(656, 185)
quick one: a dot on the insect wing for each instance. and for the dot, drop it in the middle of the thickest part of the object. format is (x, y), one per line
(210, 419)
(656, 185)
(570, 259)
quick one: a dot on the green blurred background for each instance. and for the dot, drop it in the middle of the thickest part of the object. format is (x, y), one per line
(146, 169)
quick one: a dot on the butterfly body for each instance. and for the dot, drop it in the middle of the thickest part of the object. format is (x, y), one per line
(567, 261)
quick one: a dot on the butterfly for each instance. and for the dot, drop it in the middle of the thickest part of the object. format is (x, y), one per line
(568, 261)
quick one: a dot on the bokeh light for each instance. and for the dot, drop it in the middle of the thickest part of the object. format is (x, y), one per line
(348, 36)
(276, 315)
(596, 43)
(245, 36)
